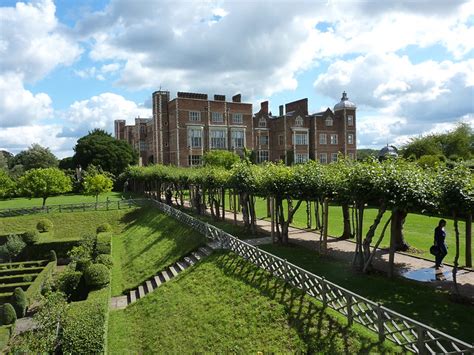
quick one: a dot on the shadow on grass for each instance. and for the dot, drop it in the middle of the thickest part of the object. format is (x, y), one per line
(320, 330)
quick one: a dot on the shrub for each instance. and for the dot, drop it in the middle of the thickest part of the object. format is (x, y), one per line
(13, 246)
(30, 237)
(103, 244)
(104, 227)
(7, 314)
(105, 259)
(84, 325)
(19, 302)
(52, 255)
(68, 281)
(97, 276)
(44, 225)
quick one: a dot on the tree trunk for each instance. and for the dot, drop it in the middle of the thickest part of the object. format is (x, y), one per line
(394, 230)
(317, 220)
(397, 230)
(347, 233)
(44, 201)
(268, 207)
(309, 221)
(325, 225)
(368, 262)
(469, 240)
(358, 260)
(371, 232)
(456, 257)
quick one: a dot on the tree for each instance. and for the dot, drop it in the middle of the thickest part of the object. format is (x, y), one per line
(5, 157)
(67, 164)
(101, 149)
(13, 246)
(96, 184)
(222, 158)
(35, 157)
(7, 185)
(45, 183)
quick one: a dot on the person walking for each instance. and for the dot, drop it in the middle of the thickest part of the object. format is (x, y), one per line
(439, 242)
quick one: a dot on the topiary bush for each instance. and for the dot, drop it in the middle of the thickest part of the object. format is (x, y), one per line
(19, 302)
(44, 225)
(105, 259)
(97, 276)
(68, 282)
(104, 227)
(7, 314)
(52, 255)
(30, 237)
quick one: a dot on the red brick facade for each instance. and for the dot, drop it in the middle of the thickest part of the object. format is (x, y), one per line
(184, 128)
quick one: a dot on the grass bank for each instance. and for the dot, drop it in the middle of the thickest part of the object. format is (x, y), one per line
(150, 242)
(410, 298)
(225, 304)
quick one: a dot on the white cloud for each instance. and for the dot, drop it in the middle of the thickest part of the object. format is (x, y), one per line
(100, 112)
(32, 41)
(19, 106)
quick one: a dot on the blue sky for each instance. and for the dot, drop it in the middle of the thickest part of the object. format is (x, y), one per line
(67, 67)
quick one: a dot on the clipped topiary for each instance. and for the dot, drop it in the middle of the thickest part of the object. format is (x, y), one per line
(105, 259)
(68, 281)
(7, 314)
(30, 237)
(44, 225)
(52, 255)
(97, 276)
(104, 227)
(19, 302)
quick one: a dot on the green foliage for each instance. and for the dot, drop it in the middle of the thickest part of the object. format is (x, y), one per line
(431, 161)
(45, 183)
(35, 289)
(30, 237)
(97, 276)
(96, 184)
(19, 302)
(68, 281)
(44, 225)
(7, 314)
(364, 154)
(104, 227)
(13, 246)
(105, 259)
(7, 185)
(35, 157)
(220, 158)
(84, 325)
(456, 191)
(81, 257)
(67, 164)
(101, 149)
(52, 255)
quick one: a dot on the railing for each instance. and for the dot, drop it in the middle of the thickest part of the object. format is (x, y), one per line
(72, 207)
(405, 332)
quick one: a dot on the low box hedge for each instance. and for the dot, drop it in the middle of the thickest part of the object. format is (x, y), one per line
(84, 327)
(18, 264)
(11, 286)
(5, 297)
(103, 243)
(34, 291)
(5, 333)
(18, 278)
(23, 270)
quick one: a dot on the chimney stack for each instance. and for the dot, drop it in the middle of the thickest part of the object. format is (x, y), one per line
(264, 107)
(237, 98)
(281, 110)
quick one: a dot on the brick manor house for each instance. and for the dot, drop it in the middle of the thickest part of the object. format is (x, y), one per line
(184, 128)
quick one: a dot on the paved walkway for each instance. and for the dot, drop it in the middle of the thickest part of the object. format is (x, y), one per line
(407, 266)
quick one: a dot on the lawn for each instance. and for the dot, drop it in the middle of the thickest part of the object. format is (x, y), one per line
(67, 225)
(418, 229)
(225, 304)
(57, 200)
(150, 242)
(417, 301)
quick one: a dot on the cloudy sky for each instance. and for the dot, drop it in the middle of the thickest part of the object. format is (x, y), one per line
(67, 67)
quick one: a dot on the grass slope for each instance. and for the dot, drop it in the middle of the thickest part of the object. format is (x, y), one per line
(417, 301)
(150, 242)
(225, 304)
(56, 200)
(418, 229)
(67, 225)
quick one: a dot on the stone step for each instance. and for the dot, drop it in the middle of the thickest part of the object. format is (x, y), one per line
(132, 296)
(173, 270)
(157, 281)
(149, 287)
(204, 250)
(189, 260)
(165, 275)
(141, 291)
(196, 255)
(213, 245)
(182, 264)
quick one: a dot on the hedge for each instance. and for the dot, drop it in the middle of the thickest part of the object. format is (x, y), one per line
(84, 327)
(7, 266)
(103, 243)
(5, 332)
(11, 287)
(34, 291)
(20, 271)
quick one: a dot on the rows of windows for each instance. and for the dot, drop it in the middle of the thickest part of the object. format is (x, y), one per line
(217, 138)
(262, 156)
(333, 138)
(301, 158)
(300, 139)
(216, 117)
(262, 140)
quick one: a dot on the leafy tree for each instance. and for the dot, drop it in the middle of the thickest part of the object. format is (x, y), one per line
(35, 157)
(222, 158)
(67, 164)
(45, 183)
(3, 162)
(96, 184)
(12, 248)
(101, 149)
(364, 154)
(7, 185)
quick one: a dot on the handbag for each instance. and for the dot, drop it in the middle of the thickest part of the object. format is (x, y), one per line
(434, 250)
